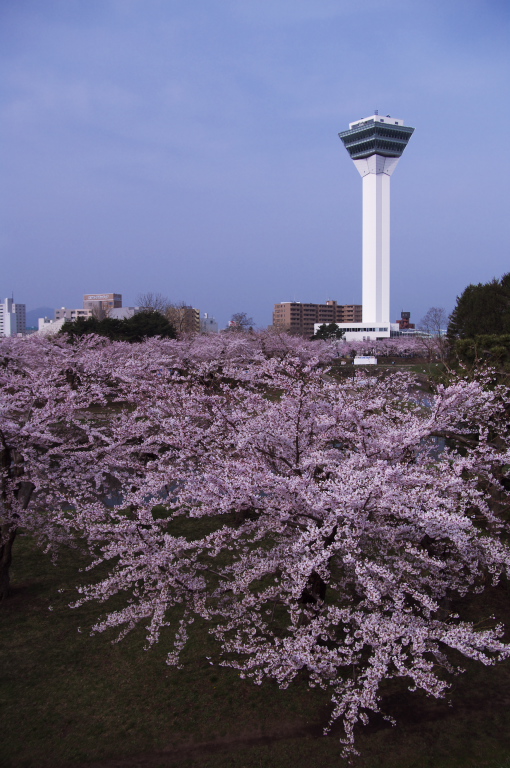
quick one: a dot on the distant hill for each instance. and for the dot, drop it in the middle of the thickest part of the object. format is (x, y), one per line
(33, 315)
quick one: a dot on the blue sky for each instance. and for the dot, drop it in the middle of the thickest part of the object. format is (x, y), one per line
(190, 147)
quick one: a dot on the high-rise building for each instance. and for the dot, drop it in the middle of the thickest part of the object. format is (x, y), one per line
(375, 144)
(13, 318)
(295, 317)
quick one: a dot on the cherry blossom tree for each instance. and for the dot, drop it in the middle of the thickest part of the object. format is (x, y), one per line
(59, 407)
(401, 346)
(48, 392)
(339, 525)
(339, 529)
(240, 322)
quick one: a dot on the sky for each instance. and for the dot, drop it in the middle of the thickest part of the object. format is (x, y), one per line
(190, 147)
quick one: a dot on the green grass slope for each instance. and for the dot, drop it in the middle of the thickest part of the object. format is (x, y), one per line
(69, 699)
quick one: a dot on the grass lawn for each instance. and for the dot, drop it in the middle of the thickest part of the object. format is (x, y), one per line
(68, 699)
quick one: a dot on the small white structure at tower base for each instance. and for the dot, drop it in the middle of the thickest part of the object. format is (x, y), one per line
(365, 331)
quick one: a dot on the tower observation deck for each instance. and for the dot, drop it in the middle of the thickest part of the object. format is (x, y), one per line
(375, 144)
(376, 136)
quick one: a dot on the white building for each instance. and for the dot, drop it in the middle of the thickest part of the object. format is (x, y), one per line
(124, 313)
(208, 324)
(94, 304)
(13, 318)
(64, 313)
(49, 326)
(120, 313)
(375, 144)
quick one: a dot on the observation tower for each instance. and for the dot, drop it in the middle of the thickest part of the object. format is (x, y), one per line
(375, 144)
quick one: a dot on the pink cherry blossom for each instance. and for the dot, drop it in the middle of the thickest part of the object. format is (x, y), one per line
(320, 528)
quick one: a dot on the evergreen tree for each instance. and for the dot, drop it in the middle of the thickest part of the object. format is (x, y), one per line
(140, 326)
(482, 309)
(329, 331)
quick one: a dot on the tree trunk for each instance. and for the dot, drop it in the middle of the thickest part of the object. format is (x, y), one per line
(8, 536)
(315, 590)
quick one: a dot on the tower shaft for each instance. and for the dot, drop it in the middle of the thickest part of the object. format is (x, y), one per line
(376, 172)
(376, 248)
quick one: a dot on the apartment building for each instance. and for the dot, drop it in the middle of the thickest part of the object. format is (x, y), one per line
(185, 319)
(299, 318)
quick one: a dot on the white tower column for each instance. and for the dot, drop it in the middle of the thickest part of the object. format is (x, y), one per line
(376, 171)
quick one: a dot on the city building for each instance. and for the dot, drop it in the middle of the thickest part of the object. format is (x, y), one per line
(13, 318)
(102, 302)
(208, 324)
(124, 313)
(299, 318)
(375, 144)
(98, 305)
(404, 323)
(185, 319)
(94, 304)
(48, 326)
(119, 313)
(71, 314)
